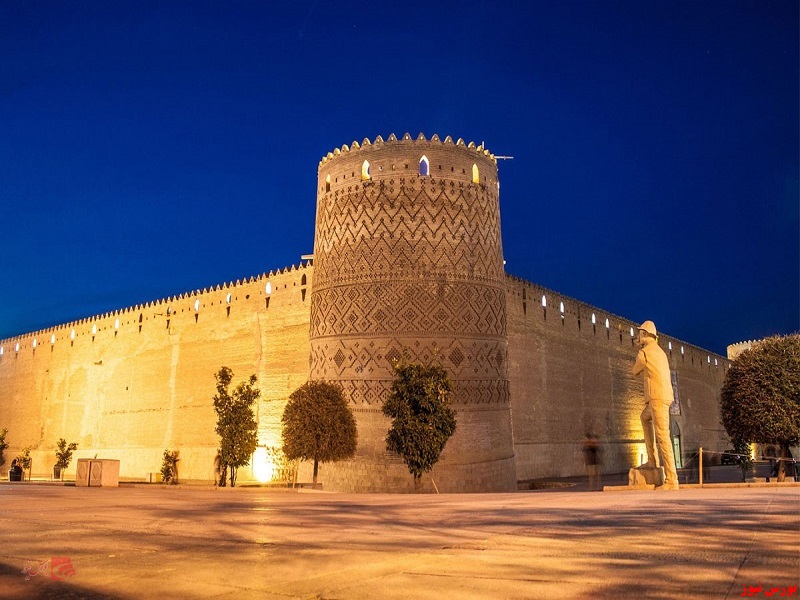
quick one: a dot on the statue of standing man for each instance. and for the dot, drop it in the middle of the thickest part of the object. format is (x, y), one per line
(652, 362)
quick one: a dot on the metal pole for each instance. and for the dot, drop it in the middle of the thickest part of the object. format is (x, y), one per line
(701, 466)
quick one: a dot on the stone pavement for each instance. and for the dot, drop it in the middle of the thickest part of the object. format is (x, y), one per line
(184, 542)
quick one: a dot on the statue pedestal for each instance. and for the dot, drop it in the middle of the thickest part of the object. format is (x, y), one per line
(646, 478)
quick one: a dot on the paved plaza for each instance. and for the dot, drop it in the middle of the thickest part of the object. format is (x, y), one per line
(194, 542)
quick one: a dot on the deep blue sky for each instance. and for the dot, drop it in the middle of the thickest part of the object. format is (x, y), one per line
(148, 149)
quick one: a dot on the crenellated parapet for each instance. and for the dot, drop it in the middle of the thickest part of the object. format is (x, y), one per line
(137, 315)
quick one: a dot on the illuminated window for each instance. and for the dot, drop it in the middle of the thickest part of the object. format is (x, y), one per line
(16, 347)
(1, 351)
(268, 288)
(716, 364)
(561, 307)
(424, 166)
(328, 183)
(365, 171)
(594, 320)
(607, 324)
(72, 334)
(708, 359)
(681, 350)
(228, 298)
(476, 176)
(544, 302)
(196, 305)
(631, 331)
(94, 329)
(116, 324)
(53, 339)
(34, 343)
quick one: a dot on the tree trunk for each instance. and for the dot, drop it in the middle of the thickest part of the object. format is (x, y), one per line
(782, 462)
(316, 469)
(233, 476)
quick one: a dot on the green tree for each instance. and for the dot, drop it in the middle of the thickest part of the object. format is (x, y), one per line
(318, 425)
(3, 445)
(422, 420)
(25, 460)
(760, 397)
(743, 460)
(64, 455)
(169, 467)
(236, 423)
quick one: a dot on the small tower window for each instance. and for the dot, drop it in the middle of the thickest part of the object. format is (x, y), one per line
(34, 343)
(72, 334)
(424, 166)
(476, 176)
(328, 183)
(196, 305)
(268, 288)
(607, 324)
(16, 347)
(228, 299)
(94, 329)
(544, 302)
(365, 171)
(53, 339)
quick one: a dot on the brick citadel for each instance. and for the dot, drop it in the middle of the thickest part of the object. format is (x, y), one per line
(407, 261)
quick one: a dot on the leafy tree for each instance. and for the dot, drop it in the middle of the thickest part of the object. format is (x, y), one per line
(169, 467)
(25, 460)
(422, 421)
(64, 454)
(3, 445)
(744, 461)
(318, 425)
(760, 397)
(236, 423)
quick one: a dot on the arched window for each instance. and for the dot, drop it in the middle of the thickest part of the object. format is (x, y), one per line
(544, 302)
(328, 183)
(476, 176)
(365, 171)
(303, 279)
(594, 319)
(424, 166)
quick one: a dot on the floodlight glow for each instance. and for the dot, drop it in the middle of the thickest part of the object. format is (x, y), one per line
(263, 467)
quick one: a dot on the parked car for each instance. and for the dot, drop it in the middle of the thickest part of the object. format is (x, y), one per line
(730, 457)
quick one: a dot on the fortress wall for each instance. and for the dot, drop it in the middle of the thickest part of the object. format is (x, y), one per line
(143, 382)
(568, 379)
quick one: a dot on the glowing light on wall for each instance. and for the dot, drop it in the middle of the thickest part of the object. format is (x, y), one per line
(263, 467)
(53, 339)
(365, 171)
(34, 342)
(594, 320)
(197, 305)
(116, 324)
(561, 307)
(228, 298)
(544, 301)
(268, 288)
(631, 331)
(607, 324)
(72, 334)
(1, 351)
(94, 329)
(16, 347)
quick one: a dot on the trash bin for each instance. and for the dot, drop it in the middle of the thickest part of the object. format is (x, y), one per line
(14, 475)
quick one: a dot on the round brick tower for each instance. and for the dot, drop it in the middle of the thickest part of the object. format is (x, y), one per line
(408, 261)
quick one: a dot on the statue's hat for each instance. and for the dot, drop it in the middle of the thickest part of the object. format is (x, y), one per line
(649, 327)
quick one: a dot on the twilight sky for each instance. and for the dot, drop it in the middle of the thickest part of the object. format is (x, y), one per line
(153, 148)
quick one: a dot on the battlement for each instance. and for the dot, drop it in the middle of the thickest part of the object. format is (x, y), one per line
(736, 349)
(392, 139)
(50, 334)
